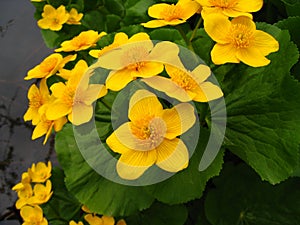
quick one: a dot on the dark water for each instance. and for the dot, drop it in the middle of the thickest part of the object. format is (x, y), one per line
(21, 48)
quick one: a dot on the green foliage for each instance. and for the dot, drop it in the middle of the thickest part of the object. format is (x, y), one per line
(240, 197)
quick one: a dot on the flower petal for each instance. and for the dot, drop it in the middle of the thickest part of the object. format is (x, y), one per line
(208, 92)
(217, 26)
(265, 43)
(115, 144)
(156, 10)
(166, 52)
(178, 119)
(189, 8)
(221, 54)
(81, 113)
(201, 73)
(57, 110)
(93, 92)
(149, 69)
(142, 104)
(111, 60)
(252, 57)
(155, 23)
(248, 6)
(172, 155)
(108, 220)
(118, 79)
(133, 164)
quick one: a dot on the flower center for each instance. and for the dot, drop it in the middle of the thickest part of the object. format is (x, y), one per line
(68, 97)
(36, 101)
(171, 12)
(241, 35)
(80, 41)
(48, 64)
(183, 79)
(133, 58)
(224, 4)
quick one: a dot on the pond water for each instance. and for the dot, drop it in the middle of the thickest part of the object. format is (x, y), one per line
(22, 48)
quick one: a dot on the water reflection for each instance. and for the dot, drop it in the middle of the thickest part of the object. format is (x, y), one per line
(21, 48)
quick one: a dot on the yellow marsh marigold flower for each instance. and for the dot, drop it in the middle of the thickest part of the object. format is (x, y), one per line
(75, 98)
(186, 85)
(41, 194)
(84, 40)
(38, 98)
(238, 40)
(49, 66)
(230, 8)
(53, 19)
(40, 172)
(119, 39)
(72, 222)
(74, 17)
(170, 14)
(33, 215)
(24, 195)
(45, 127)
(136, 59)
(151, 136)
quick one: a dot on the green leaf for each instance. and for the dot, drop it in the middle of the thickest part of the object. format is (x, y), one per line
(167, 34)
(115, 6)
(160, 214)
(188, 184)
(136, 11)
(240, 197)
(89, 19)
(263, 107)
(99, 194)
(51, 38)
(63, 206)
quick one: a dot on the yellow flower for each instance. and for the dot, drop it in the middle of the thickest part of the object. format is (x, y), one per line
(230, 8)
(33, 215)
(119, 39)
(24, 195)
(41, 172)
(45, 127)
(38, 98)
(139, 58)
(186, 85)
(72, 222)
(41, 193)
(238, 40)
(151, 136)
(84, 40)
(52, 18)
(75, 98)
(167, 14)
(49, 66)
(95, 220)
(25, 180)
(74, 17)
(79, 69)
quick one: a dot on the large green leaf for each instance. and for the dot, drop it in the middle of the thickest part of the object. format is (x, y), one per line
(189, 183)
(63, 206)
(160, 214)
(263, 106)
(240, 197)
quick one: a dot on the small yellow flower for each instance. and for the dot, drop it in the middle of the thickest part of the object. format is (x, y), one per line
(84, 40)
(45, 127)
(24, 195)
(49, 66)
(41, 193)
(53, 19)
(41, 172)
(72, 222)
(138, 58)
(38, 98)
(95, 220)
(151, 136)
(238, 40)
(186, 85)
(85, 209)
(230, 8)
(74, 17)
(75, 98)
(25, 180)
(33, 215)
(167, 14)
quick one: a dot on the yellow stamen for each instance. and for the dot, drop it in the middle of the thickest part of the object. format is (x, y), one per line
(224, 4)
(183, 79)
(241, 36)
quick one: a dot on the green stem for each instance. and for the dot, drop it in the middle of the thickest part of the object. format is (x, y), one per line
(196, 28)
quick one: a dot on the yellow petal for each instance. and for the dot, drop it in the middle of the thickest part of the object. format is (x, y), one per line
(189, 8)
(149, 69)
(245, 22)
(217, 26)
(169, 87)
(252, 57)
(172, 155)
(133, 164)
(205, 3)
(115, 144)
(248, 6)
(57, 110)
(58, 89)
(166, 52)
(178, 119)
(121, 222)
(155, 23)
(41, 129)
(201, 73)
(265, 43)
(208, 92)
(93, 219)
(93, 92)
(108, 220)
(221, 54)
(143, 104)
(139, 37)
(156, 10)
(117, 80)
(233, 13)
(81, 113)
(111, 60)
